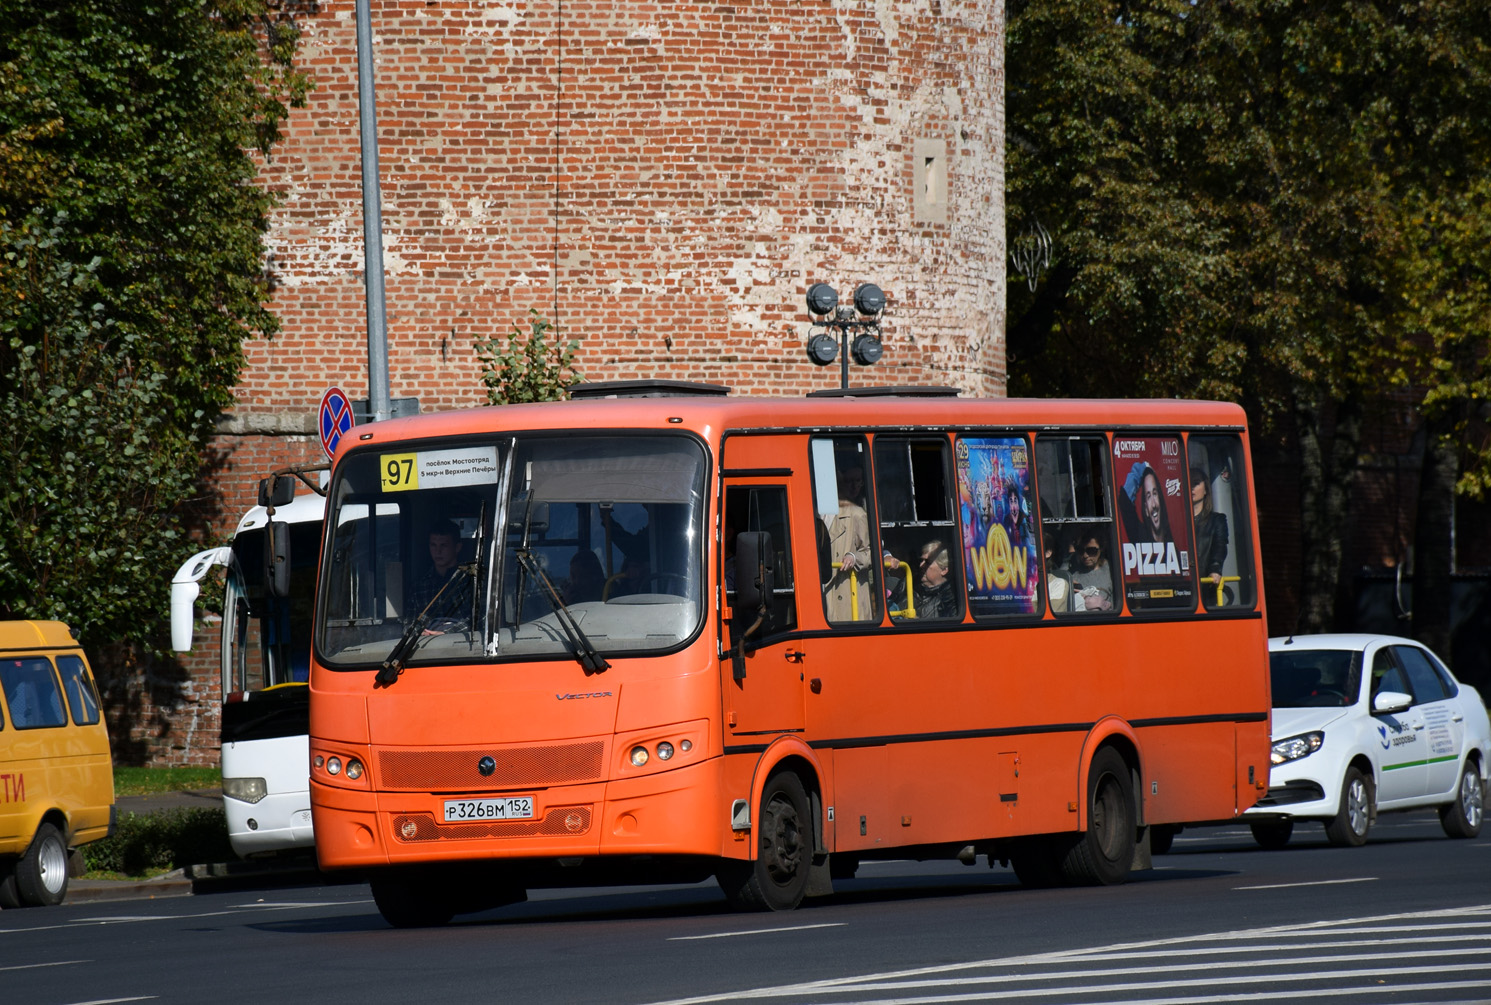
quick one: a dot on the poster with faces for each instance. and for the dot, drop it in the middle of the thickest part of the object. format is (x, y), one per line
(1154, 522)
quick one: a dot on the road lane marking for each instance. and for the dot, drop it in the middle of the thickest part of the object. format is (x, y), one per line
(757, 931)
(1317, 882)
(1349, 926)
(115, 1001)
(33, 966)
(125, 919)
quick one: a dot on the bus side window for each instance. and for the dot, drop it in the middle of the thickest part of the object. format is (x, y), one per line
(762, 508)
(847, 553)
(31, 693)
(920, 557)
(1077, 522)
(81, 694)
(1219, 510)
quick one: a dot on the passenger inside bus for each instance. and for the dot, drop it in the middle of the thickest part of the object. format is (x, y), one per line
(1092, 577)
(848, 584)
(587, 580)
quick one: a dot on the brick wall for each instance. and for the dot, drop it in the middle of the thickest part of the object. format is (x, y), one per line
(662, 180)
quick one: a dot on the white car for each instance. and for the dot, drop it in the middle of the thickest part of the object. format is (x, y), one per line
(1364, 724)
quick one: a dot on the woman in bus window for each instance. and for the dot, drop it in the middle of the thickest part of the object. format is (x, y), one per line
(1211, 533)
(848, 591)
(1092, 579)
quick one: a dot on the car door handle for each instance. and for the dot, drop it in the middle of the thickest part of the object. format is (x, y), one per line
(1457, 717)
(1418, 725)
(794, 656)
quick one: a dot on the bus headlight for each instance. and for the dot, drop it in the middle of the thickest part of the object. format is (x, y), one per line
(639, 756)
(354, 769)
(664, 751)
(333, 765)
(247, 790)
(1295, 747)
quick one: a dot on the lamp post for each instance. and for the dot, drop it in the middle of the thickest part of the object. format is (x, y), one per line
(863, 320)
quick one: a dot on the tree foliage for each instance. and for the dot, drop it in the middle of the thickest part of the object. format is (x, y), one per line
(536, 365)
(130, 272)
(1269, 201)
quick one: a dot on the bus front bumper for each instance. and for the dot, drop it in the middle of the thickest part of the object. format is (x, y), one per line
(682, 811)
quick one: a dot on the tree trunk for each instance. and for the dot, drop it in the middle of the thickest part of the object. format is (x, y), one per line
(1434, 536)
(1327, 468)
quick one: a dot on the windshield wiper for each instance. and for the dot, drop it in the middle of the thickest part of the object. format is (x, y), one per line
(409, 641)
(585, 652)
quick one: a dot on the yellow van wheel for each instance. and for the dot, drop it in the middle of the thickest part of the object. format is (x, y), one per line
(41, 874)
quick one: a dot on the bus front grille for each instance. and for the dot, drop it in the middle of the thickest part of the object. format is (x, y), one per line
(559, 820)
(515, 767)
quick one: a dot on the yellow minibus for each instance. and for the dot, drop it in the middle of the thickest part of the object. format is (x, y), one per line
(56, 775)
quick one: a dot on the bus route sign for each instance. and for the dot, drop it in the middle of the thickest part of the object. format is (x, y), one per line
(334, 419)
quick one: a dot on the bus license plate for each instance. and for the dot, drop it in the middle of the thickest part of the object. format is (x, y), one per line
(510, 808)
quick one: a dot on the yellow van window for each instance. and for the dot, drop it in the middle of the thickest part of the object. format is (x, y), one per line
(31, 693)
(81, 694)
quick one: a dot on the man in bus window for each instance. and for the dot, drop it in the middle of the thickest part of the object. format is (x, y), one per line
(445, 549)
(1092, 579)
(934, 590)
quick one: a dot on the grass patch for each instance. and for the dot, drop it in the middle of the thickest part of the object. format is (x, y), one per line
(144, 781)
(148, 844)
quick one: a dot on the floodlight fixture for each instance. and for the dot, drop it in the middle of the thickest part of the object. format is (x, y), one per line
(867, 349)
(822, 299)
(829, 336)
(869, 300)
(822, 349)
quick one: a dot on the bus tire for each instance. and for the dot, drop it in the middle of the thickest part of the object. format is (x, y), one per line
(41, 873)
(405, 902)
(1161, 837)
(1103, 854)
(1272, 835)
(1348, 828)
(778, 879)
(10, 897)
(1036, 861)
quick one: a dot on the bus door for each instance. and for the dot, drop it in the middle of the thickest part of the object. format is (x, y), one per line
(763, 677)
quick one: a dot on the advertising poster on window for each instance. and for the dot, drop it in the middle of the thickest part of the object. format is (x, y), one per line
(1155, 551)
(999, 542)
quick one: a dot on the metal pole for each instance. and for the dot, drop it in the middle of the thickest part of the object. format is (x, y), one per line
(372, 221)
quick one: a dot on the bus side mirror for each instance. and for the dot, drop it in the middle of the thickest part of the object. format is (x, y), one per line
(277, 575)
(754, 570)
(276, 491)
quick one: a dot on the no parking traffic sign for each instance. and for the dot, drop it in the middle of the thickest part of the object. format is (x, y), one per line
(335, 419)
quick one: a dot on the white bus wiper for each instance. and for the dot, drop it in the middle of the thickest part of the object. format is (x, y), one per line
(409, 641)
(585, 652)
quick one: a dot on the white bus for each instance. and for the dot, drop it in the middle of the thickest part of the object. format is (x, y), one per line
(266, 639)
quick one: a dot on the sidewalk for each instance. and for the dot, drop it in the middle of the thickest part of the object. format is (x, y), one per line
(237, 875)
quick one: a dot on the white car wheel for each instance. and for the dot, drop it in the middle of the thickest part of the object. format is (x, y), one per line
(1462, 818)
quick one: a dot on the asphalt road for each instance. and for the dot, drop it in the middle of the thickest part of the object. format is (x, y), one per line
(1405, 919)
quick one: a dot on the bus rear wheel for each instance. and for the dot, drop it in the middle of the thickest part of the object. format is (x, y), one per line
(778, 879)
(39, 877)
(1272, 835)
(407, 902)
(1104, 853)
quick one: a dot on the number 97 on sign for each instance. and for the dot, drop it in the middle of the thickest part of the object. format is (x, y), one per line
(400, 472)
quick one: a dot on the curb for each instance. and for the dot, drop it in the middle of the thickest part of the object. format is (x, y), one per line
(172, 884)
(219, 877)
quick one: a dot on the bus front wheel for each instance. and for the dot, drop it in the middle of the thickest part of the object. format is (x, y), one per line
(778, 878)
(1104, 853)
(407, 902)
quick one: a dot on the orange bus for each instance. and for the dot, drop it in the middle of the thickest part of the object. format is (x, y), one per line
(659, 633)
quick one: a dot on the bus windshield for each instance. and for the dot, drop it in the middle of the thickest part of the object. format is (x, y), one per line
(454, 552)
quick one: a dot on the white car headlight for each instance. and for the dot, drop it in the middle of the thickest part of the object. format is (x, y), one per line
(1295, 747)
